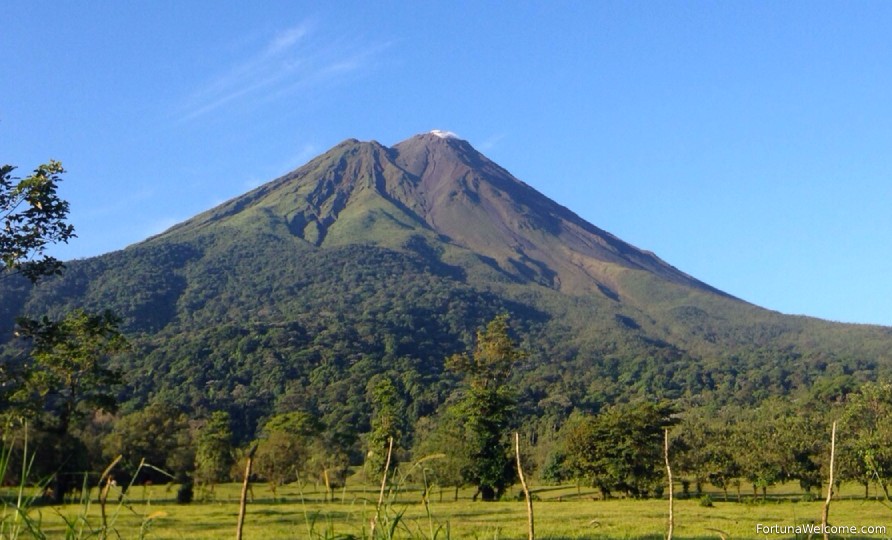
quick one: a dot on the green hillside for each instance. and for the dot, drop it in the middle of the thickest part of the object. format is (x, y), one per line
(386, 260)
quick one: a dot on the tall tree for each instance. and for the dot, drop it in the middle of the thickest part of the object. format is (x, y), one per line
(805, 446)
(67, 378)
(214, 454)
(487, 407)
(32, 216)
(388, 421)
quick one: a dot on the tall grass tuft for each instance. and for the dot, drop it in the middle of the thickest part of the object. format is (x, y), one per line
(16, 518)
(20, 514)
(387, 520)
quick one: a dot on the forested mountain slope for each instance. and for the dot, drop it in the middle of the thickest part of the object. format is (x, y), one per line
(373, 259)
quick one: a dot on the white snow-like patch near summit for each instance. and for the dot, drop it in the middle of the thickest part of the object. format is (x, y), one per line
(444, 134)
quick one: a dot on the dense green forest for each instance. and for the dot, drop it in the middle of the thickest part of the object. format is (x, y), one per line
(239, 326)
(235, 333)
(741, 449)
(313, 425)
(298, 368)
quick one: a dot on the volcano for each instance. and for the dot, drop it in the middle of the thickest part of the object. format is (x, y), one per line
(440, 188)
(372, 259)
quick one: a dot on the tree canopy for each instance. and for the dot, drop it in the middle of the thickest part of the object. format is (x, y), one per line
(487, 406)
(32, 216)
(69, 374)
(619, 449)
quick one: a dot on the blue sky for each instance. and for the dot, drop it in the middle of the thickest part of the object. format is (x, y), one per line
(746, 143)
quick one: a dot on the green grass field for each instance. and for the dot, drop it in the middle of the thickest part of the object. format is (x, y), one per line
(561, 513)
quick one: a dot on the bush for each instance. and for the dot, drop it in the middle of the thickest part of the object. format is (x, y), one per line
(706, 501)
(555, 471)
(186, 492)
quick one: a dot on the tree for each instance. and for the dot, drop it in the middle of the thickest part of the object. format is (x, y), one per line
(159, 435)
(69, 375)
(388, 421)
(620, 449)
(329, 461)
(284, 449)
(214, 452)
(693, 444)
(32, 216)
(757, 438)
(487, 406)
(705, 452)
(443, 437)
(67, 378)
(805, 445)
(866, 447)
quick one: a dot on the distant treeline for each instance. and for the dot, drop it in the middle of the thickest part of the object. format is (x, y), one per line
(465, 425)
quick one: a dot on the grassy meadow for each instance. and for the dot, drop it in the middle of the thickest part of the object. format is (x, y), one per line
(560, 513)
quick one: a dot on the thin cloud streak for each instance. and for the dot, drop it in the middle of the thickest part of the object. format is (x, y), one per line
(286, 63)
(491, 142)
(306, 153)
(335, 66)
(287, 39)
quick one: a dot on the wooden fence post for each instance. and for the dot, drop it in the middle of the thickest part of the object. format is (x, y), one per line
(526, 490)
(383, 485)
(669, 475)
(825, 514)
(244, 500)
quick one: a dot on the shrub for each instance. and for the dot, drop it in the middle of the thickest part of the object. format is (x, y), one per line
(186, 492)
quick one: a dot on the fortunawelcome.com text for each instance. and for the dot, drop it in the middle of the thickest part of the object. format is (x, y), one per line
(817, 528)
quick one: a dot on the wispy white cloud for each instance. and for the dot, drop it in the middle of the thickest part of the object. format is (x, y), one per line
(306, 153)
(293, 59)
(491, 142)
(286, 39)
(333, 63)
(301, 157)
